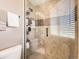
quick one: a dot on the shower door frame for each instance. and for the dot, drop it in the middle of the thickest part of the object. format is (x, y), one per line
(76, 28)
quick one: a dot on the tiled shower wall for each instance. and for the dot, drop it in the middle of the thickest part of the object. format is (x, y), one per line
(58, 48)
(55, 48)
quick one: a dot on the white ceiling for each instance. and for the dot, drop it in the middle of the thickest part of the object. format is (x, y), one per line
(38, 2)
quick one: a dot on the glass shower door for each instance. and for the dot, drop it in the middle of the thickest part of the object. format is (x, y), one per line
(50, 29)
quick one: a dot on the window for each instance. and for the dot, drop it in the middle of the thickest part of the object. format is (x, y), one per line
(64, 23)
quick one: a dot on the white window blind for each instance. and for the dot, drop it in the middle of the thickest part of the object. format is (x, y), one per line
(64, 24)
(67, 25)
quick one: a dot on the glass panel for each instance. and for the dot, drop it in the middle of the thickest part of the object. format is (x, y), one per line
(50, 29)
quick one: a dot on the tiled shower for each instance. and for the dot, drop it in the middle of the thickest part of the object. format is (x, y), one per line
(50, 29)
